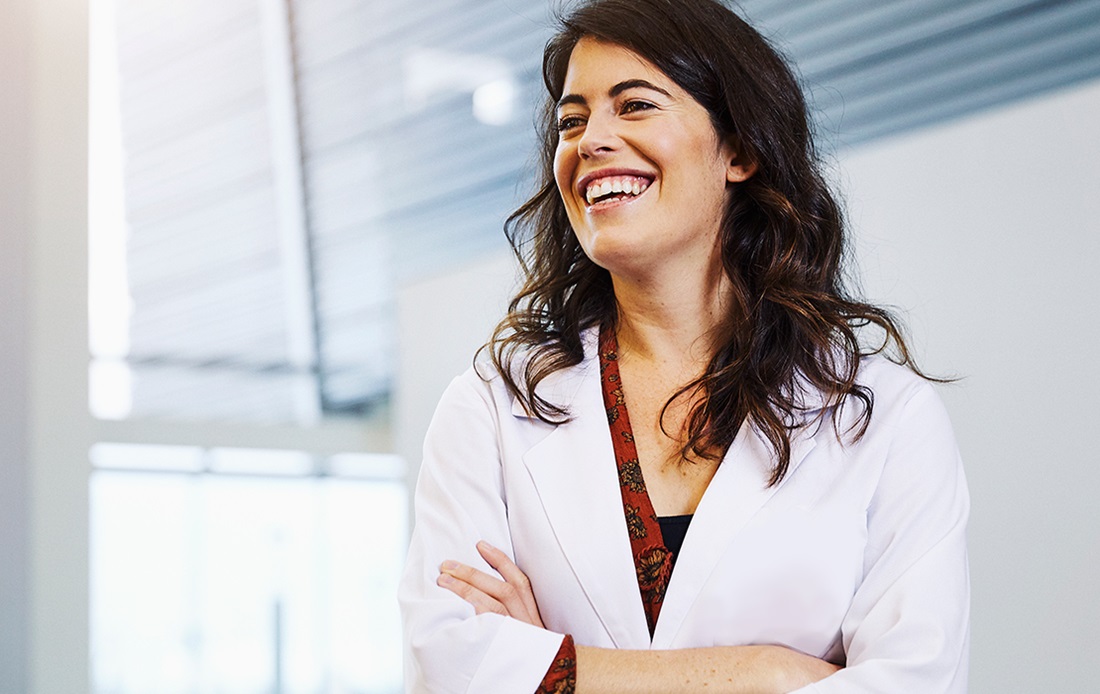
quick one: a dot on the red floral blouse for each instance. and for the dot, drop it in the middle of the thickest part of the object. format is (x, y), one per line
(652, 559)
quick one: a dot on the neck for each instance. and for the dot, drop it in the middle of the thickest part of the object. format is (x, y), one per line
(673, 323)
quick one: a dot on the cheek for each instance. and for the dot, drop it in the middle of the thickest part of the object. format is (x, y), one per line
(705, 171)
(687, 160)
(563, 171)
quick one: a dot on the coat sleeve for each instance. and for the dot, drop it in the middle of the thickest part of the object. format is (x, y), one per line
(460, 499)
(908, 626)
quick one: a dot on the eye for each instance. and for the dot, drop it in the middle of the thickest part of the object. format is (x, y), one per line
(635, 105)
(569, 122)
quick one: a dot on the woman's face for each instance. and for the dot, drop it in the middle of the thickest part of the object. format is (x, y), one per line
(640, 168)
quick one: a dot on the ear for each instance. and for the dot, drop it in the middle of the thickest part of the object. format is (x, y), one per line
(739, 166)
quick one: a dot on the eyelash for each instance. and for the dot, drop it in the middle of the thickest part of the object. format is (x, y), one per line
(635, 105)
(568, 123)
(631, 106)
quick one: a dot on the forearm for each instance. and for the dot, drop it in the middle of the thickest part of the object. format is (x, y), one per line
(720, 670)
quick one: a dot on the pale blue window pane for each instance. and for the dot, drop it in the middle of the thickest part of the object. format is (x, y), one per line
(206, 583)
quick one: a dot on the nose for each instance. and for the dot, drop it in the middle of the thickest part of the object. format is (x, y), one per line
(599, 137)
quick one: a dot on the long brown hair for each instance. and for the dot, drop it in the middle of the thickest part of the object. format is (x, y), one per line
(793, 325)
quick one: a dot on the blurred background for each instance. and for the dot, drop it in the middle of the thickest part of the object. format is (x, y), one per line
(246, 244)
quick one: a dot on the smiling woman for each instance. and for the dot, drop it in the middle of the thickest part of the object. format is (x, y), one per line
(623, 124)
(680, 467)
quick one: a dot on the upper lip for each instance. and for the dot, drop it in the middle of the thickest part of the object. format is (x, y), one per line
(582, 184)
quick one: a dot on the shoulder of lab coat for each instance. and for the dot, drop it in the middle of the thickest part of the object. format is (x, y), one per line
(908, 625)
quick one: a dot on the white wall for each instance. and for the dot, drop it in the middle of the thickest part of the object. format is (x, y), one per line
(14, 213)
(442, 321)
(43, 353)
(985, 231)
(988, 232)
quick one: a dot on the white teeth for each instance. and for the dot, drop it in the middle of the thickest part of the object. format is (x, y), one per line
(631, 185)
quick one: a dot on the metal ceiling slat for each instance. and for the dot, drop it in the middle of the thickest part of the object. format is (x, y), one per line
(959, 79)
(438, 28)
(180, 114)
(249, 207)
(151, 35)
(883, 28)
(210, 394)
(209, 327)
(989, 34)
(166, 271)
(325, 31)
(923, 63)
(811, 17)
(895, 123)
(171, 274)
(141, 212)
(991, 81)
(222, 152)
(189, 322)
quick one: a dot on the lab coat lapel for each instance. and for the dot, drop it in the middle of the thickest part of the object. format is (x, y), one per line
(738, 490)
(574, 473)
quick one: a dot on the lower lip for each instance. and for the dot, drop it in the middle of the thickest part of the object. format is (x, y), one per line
(608, 205)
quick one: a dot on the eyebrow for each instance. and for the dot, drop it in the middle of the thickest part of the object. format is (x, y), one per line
(614, 91)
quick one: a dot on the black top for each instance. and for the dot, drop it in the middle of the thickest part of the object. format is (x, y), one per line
(673, 530)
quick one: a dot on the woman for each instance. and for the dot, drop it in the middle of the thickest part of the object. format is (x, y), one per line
(780, 508)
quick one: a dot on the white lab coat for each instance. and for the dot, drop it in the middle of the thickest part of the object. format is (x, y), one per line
(858, 555)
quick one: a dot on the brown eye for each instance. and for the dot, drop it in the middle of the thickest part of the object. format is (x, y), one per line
(569, 122)
(635, 105)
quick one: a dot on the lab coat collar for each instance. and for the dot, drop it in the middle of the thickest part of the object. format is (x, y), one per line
(574, 472)
(578, 485)
(561, 386)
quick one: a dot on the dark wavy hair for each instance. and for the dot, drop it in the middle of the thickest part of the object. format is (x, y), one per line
(793, 326)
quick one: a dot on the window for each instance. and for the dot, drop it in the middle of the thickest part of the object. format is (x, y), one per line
(265, 175)
(213, 572)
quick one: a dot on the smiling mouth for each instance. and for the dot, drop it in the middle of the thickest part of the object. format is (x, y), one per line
(615, 188)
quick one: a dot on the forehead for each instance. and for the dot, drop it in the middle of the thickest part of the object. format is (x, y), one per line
(596, 65)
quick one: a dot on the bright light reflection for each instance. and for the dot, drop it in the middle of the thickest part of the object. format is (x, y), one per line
(109, 303)
(494, 101)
